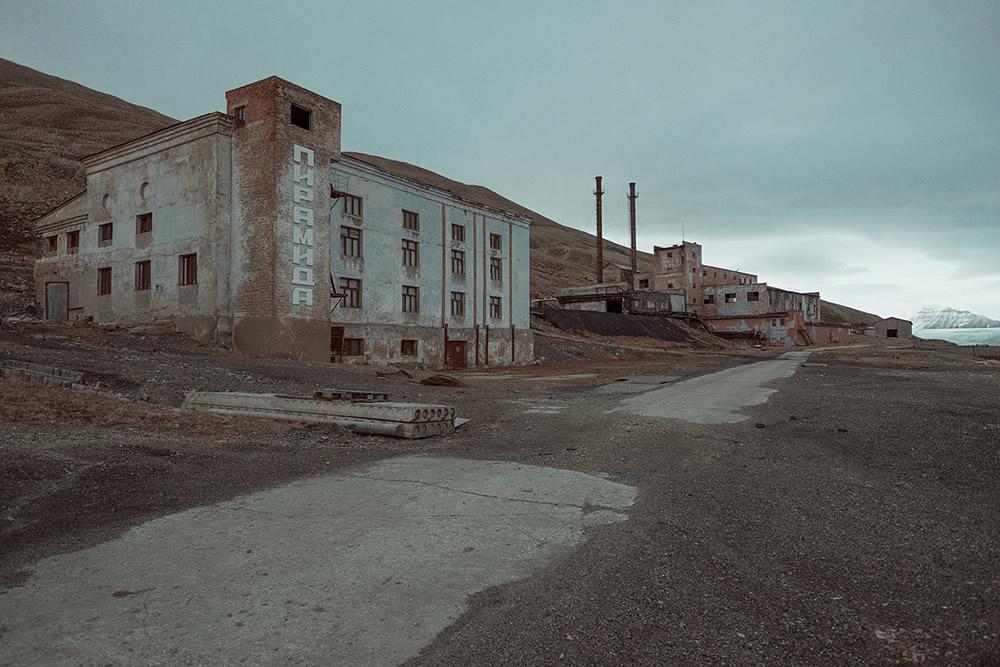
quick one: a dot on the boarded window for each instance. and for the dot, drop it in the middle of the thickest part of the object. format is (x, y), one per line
(104, 280)
(411, 299)
(411, 221)
(458, 262)
(496, 308)
(353, 206)
(144, 223)
(350, 241)
(408, 348)
(496, 268)
(354, 346)
(188, 269)
(458, 233)
(300, 117)
(351, 287)
(105, 234)
(496, 242)
(143, 276)
(411, 254)
(458, 304)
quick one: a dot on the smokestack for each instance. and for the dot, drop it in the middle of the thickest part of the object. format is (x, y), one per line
(600, 234)
(631, 217)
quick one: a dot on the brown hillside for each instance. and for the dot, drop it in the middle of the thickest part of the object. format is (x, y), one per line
(47, 125)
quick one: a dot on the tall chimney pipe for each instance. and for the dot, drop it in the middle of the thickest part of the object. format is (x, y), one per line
(631, 216)
(600, 234)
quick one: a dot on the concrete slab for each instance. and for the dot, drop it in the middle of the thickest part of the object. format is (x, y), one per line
(715, 398)
(359, 568)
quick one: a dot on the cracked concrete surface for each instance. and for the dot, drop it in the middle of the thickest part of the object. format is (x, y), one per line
(715, 398)
(359, 568)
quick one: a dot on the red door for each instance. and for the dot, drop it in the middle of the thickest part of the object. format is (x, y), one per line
(454, 354)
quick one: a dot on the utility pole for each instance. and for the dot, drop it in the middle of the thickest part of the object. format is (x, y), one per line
(631, 216)
(600, 234)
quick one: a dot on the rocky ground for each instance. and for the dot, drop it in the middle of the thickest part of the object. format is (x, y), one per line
(850, 519)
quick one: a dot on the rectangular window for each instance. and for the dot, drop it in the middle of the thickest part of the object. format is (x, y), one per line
(753, 296)
(144, 223)
(350, 241)
(187, 272)
(496, 242)
(240, 116)
(105, 234)
(104, 280)
(51, 243)
(643, 283)
(458, 262)
(496, 269)
(411, 221)
(411, 254)
(710, 298)
(73, 241)
(353, 347)
(143, 276)
(408, 348)
(458, 233)
(411, 299)
(351, 287)
(300, 117)
(496, 308)
(731, 297)
(458, 304)
(352, 206)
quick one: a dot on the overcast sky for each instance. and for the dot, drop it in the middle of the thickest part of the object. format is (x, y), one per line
(850, 148)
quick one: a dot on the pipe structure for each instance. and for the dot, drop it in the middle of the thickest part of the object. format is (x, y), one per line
(600, 234)
(631, 217)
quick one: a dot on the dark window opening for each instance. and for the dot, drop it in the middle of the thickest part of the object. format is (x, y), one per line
(643, 283)
(731, 297)
(458, 262)
(350, 241)
(300, 117)
(104, 280)
(52, 243)
(458, 233)
(753, 296)
(408, 348)
(411, 253)
(105, 233)
(496, 308)
(144, 223)
(354, 347)
(496, 242)
(496, 269)
(352, 205)
(411, 221)
(73, 241)
(188, 270)
(710, 298)
(143, 276)
(240, 116)
(892, 333)
(351, 287)
(458, 304)
(411, 299)
(613, 305)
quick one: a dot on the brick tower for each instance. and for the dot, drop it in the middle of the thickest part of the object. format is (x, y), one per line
(284, 138)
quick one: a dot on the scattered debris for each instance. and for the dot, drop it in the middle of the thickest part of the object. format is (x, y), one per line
(760, 425)
(442, 381)
(394, 373)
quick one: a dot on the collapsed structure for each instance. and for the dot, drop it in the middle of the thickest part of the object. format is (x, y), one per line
(252, 230)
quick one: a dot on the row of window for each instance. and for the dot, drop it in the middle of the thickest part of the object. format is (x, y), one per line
(187, 274)
(353, 347)
(350, 246)
(731, 297)
(350, 288)
(353, 206)
(105, 234)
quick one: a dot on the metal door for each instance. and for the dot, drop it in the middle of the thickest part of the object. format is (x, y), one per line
(336, 344)
(57, 301)
(454, 354)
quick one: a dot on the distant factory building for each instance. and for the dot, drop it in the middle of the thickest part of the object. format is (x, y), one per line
(892, 327)
(252, 230)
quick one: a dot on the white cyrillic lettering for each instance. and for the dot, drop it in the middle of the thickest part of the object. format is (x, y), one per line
(302, 295)
(302, 216)
(303, 236)
(302, 275)
(303, 174)
(301, 151)
(301, 193)
(302, 255)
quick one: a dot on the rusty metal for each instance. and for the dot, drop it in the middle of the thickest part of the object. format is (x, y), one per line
(631, 217)
(600, 233)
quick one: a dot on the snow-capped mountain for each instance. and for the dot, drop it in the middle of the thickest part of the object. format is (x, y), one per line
(949, 318)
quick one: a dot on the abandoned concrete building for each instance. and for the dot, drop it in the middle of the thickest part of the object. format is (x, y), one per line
(731, 304)
(252, 230)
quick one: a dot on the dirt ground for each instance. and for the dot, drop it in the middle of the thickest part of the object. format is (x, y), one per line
(851, 519)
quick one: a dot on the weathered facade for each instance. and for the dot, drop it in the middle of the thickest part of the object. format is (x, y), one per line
(893, 327)
(252, 230)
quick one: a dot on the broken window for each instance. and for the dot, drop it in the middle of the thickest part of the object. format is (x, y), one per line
(300, 117)
(350, 241)
(411, 253)
(144, 223)
(670, 285)
(105, 233)
(411, 221)
(731, 297)
(496, 308)
(352, 206)
(188, 269)
(240, 116)
(458, 233)
(408, 348)
(73, 241)
(643, 283)
(458, 304)
(354, 346)
(753, 296)
(143, 276)
(52, 243)
(351, 287)
(496, 242)
(710, 298)
(496, 269)
(458, 262)
(104, 280)
(411, 299)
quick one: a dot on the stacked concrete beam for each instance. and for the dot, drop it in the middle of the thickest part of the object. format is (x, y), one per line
(29, 372)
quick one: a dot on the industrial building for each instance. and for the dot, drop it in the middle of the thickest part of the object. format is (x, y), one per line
(251, 230)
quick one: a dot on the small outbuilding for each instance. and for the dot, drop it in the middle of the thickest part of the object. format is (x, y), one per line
(893, 327)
